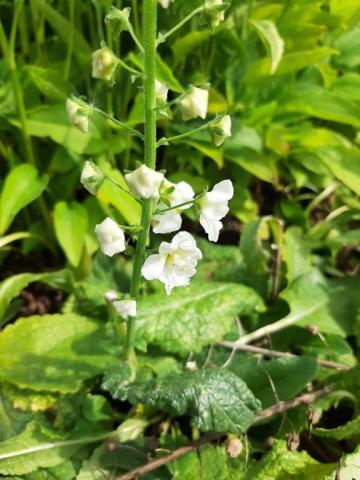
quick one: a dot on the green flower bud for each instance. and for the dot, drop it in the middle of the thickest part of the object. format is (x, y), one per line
(220, 130)
(119, 20)
(92, 177)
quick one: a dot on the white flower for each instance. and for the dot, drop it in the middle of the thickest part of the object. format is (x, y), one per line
(77, 115)
(171, 221)
(214, 207)
(103, 64)
(220, 130)
(194, 104)
(216, 16)
(161, 92)
(111, 296)
(111, 237)
(175, 263)
(165, 3)
(191, 365)
(125, 308)
(144, 182)
(91, 177)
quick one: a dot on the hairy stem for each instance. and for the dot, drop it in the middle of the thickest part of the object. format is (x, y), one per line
(70, 45)
(149, 36)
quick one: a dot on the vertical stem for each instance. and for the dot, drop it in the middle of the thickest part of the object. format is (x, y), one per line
(149, 39)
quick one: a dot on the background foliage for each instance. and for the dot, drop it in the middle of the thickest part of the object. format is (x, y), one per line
(288, 73)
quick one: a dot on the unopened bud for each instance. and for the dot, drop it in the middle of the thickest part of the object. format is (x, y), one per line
(78, 115)
(191, 365)
(125, 308)
(215, 10)
(234, 447)
(104, 64)
(92, 177)
(194, 103)
(118, 19)
(161, 93)
(220, 130)
(165, 3)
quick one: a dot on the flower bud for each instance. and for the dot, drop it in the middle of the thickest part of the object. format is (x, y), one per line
(165, 3)
(161, 93)
(125, 308)
(78, 115)
(111, 237)
(234, 447)
(144, 182)
(194, 104)
(118, 19)
(92, 177)
(215, 10)
(111, 296)
(104, 64)
(220, 130)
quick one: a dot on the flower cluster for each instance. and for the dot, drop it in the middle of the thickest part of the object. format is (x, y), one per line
(176, 262)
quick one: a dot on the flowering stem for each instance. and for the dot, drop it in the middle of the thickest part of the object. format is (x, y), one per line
(158, 212)
(149, 36)
(162, 37)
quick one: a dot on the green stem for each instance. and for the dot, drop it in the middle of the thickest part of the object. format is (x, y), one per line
(179, 205)
(70, 45)
(118, 122)
(165, 140)
(135, 10)
(121, 188)
(165, 36)
(128, 68)
(149, 36)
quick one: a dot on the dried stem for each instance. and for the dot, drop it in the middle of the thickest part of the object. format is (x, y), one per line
(274, 353)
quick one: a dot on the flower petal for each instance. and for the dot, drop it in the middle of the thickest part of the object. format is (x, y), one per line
(153, 266)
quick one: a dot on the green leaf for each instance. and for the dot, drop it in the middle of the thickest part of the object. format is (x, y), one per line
(70, 221)
(320, 103)
(49, 82)
(348, 45)
(349, 430)
(12, 286)
(216, 399)
(21, 187)
(273, 42)
(282, 464)
(296, 254)
(189, 319)
(288, 375)
(53, 352)
(186, 44)
(16, 457)
(344, 164)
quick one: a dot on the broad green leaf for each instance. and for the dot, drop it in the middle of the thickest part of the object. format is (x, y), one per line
(70, 221)
(189, 319)
(282, 464)
(290, 62)
(289, 376)
(296, 254)
(348, 469)
(208, 150)
(45, 121)
(186, 44)
(12, 286)
(348, 430)
(21, 187)
(210, 463)
(320, 103)
(348, 45)
(49, 82)
(17, 458)
(257, 164)
(273, 42)
(344, 164)
(53, 352)
(215, 398)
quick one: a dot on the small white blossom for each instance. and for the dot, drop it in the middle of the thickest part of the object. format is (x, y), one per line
(103, 64)
(125, 308)
(144, 182)
(111, 237)
(194, 104)
(161, 92)
(216, 16)
(111, 296)
(214, 207)
(191, 365)
(175, 263)
(91, 177)
(220, 130)
(77, 115)
(171, 221)
(165, 3)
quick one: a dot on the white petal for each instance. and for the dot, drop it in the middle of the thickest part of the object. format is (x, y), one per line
(125, 308)
(183, 193)
(183, 240)
(225, 189)
(111, 237)
(211, 227)
(153, 266)
(144, 182)
(167, 222)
